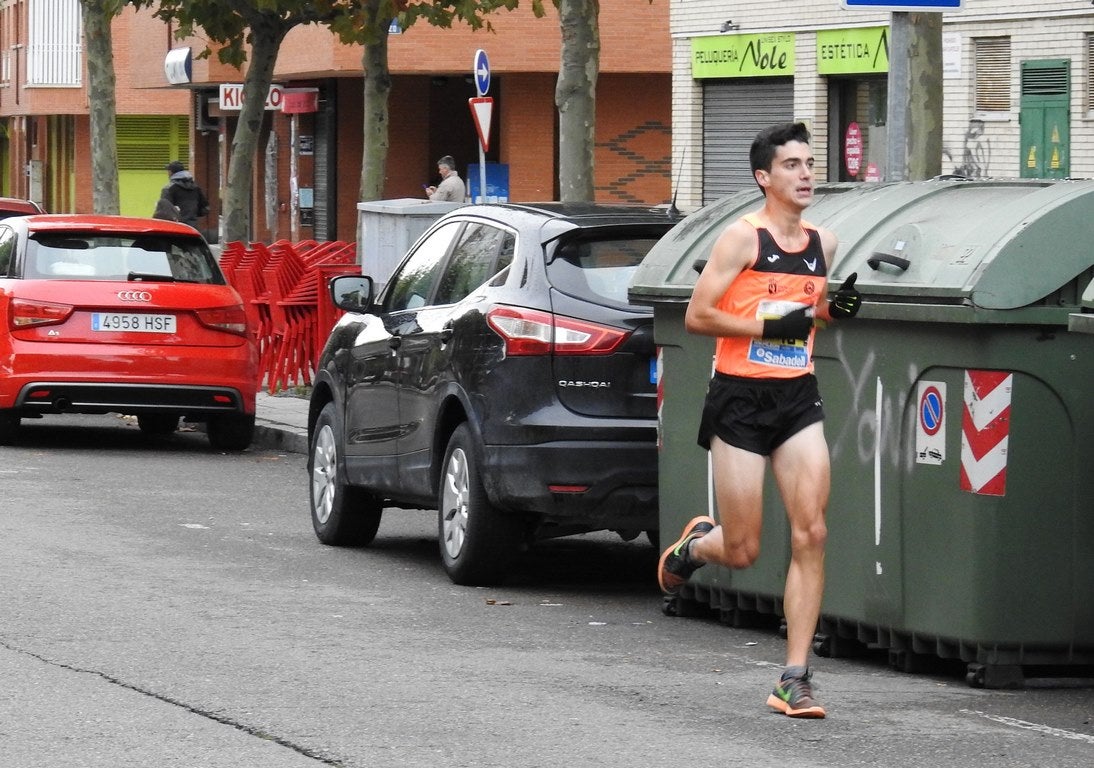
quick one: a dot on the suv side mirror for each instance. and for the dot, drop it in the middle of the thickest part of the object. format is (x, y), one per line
(353, 293)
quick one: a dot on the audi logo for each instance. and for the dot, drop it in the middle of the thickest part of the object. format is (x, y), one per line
(134, 296)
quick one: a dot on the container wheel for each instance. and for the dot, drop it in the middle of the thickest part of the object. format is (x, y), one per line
(908, 661)
(995, 676)
(670, 605)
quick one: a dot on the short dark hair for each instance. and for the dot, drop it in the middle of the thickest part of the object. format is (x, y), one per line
(448, 161)
(174, 167)
(768, 140)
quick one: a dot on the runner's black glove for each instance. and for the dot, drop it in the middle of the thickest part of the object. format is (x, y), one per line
(795, 325)
(847, 300)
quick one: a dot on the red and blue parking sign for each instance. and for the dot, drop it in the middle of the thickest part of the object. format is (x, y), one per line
(930, 410)
(930, 433)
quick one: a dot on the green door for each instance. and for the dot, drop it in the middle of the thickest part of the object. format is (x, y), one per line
(1046, 130)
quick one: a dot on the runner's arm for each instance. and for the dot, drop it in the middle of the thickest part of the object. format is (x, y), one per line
(732, 253)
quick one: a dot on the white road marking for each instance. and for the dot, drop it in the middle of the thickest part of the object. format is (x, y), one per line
(1048, 730)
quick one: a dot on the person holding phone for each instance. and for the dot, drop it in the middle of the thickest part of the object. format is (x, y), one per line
(451, 188)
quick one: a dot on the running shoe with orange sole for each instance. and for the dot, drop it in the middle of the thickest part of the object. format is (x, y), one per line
(675, 567)
(793, 697)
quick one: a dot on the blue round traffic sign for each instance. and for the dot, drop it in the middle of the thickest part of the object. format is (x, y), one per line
(930, 410)
(481, 72)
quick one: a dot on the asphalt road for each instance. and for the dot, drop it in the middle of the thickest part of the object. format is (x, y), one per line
(164, 605)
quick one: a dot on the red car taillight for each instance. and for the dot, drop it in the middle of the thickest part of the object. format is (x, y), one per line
(532, 332)
(26, 313)
(230, 319)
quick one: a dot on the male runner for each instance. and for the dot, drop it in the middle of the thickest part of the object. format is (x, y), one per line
(759, 295)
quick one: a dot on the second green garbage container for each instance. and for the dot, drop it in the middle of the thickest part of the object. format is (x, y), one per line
(959, 413)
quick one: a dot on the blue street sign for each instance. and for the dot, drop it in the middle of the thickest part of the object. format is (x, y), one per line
(910, 6)
(481, 72)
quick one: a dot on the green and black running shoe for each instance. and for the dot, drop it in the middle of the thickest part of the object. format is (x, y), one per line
(793, 696)
(675, 567)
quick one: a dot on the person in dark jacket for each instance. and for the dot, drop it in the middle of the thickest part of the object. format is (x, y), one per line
(185, 194)
(165, 210)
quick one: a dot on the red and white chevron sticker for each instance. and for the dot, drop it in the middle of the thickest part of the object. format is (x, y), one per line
(985, 431)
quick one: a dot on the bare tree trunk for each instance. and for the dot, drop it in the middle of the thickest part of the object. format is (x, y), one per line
(265, 43)
(914, 145)
(376, 119)
(575, 97)
(102, 108)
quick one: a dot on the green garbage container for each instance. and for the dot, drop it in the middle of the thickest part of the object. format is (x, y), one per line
(960, 417)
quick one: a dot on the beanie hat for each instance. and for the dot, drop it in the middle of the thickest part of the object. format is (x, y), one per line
(175, 166)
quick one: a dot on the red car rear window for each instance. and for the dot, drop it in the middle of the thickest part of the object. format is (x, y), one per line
(83, 256)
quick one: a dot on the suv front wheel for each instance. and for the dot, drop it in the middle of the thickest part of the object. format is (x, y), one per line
(478, 541)
(342, 515)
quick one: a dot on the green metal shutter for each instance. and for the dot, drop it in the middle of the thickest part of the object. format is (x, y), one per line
(147, 143)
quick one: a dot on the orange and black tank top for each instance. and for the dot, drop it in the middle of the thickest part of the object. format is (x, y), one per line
(775, 283)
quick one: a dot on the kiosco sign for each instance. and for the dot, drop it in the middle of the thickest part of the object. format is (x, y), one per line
(231, 96)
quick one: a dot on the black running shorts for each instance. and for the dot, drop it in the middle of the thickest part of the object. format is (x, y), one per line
(759, 415)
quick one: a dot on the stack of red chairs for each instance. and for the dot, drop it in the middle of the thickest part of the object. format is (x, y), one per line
(243, 269)
(283, 286)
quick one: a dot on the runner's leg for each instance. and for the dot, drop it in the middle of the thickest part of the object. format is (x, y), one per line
(803, 474)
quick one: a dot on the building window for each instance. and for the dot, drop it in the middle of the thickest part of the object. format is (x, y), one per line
(992, 58)
(9, 39)
(1090, 75)
(53, 44)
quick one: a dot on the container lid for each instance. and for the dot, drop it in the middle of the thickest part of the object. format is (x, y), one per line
(989, 245)
(408, 206)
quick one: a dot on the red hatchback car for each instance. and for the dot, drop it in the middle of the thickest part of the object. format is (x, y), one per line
(103, 314)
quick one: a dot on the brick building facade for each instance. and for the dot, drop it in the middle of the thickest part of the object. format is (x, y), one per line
(429, 117)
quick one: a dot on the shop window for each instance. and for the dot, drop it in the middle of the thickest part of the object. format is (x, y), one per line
(992, 57)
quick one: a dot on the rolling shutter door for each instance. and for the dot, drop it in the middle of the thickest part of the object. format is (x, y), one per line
(734, 111)
(326, 222)
(146, 144)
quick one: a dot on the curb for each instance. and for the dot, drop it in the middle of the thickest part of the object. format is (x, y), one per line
(280, 439)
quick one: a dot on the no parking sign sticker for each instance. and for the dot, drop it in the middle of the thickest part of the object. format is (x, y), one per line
(930, 433)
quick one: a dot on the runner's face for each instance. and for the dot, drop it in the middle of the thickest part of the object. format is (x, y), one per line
(791, 176)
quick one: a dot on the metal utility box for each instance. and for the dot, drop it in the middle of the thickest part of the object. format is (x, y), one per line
(387, 228)
(959, 413)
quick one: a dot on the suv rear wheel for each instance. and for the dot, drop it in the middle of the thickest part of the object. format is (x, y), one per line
(478, 542)
(342, 515)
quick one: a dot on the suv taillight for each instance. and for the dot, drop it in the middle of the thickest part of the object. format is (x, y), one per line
(230, 319)
(532, 332)
(26, 313)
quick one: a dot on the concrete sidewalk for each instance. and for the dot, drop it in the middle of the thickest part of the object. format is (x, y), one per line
(281, 423)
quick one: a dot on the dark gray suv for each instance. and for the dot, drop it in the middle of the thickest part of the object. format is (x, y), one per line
(501, 376)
